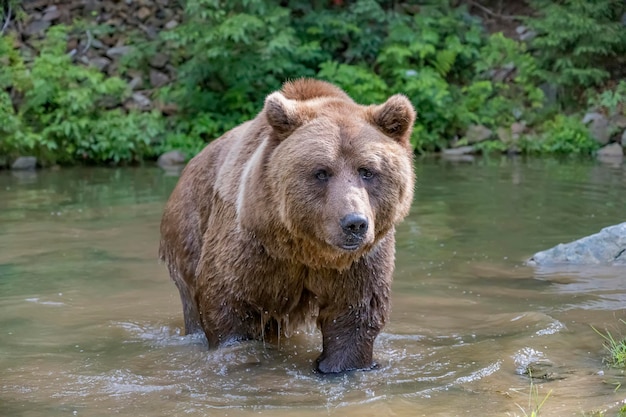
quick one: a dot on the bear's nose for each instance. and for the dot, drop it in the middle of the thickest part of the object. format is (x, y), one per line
(354, 224)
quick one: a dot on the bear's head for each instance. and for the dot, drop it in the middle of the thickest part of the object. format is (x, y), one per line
(337, 175)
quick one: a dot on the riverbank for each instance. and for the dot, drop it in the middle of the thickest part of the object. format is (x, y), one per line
(118, 82)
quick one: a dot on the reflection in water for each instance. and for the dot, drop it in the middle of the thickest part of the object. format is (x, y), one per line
(90, 324)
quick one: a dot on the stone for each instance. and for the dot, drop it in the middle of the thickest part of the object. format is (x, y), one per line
(172, 159)
(613, 150)
(143, 13)
(525, 34)
(118, 51)
(591, 116)
(623, 140)
(158, 78)
(618, 121)
(600, 130)
(171, 24)
(143, 102)
(135, 83)
(159, 60)
(605, 247)
(504, 134)
(100, 62)
(52, 13)
(36, 27)
(97, 44)
(477, 133)
(461, 150)
(518, 128)
(24, 163)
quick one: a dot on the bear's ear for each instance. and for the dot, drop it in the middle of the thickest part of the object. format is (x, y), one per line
(395, 117)
(282, 114)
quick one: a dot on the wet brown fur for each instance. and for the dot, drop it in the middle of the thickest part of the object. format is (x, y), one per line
(251, 236)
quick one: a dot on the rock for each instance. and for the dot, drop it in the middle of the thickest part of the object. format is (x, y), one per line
(517, 129)
(623, 141)
(143, 13)
(159, 60)
(477, 133)
(171, 160)
(151, 31)
(171, 24)
(599, 127)
(600, 130)
(118, 51)
(504, 134)
(36, 27)
(143, 102)
(158, 78)
(100, 62)
(591, 116)
(461, 150)
(606, 247)
(52, 13)
(613, 150)
(135, 83)
(97, 44)
(618, 121)
(611, 154)
(24, 163)
(524, 33)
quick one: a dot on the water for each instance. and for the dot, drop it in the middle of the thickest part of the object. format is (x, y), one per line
(90, 323)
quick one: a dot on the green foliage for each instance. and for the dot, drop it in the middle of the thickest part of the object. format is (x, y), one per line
(427, 56)
(190, 136)
(615, 347)
(611, 101)
(362, 84)
(578, 41)
(64, 113)
(564, 135)
(231, 54)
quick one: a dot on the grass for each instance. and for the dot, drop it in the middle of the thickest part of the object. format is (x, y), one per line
(616, 348)
(535, 403)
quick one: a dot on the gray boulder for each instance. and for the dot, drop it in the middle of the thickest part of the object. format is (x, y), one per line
(24, 163)
(172, 160)
(606, 247)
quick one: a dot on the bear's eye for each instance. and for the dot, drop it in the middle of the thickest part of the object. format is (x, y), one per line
(366, 174)
(322, 175)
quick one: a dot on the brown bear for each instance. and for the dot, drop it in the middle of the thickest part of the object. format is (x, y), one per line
(289, 218)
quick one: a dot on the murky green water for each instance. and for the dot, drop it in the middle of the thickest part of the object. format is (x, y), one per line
(90, 323)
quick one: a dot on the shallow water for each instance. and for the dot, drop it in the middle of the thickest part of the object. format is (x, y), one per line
(90, 323)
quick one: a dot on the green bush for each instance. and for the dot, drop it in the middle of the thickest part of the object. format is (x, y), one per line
(563, 135)
(64, 111)
(611, 101)
(230, 55)
(579, 42)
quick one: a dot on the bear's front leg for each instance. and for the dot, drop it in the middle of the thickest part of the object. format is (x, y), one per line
(348, 337)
